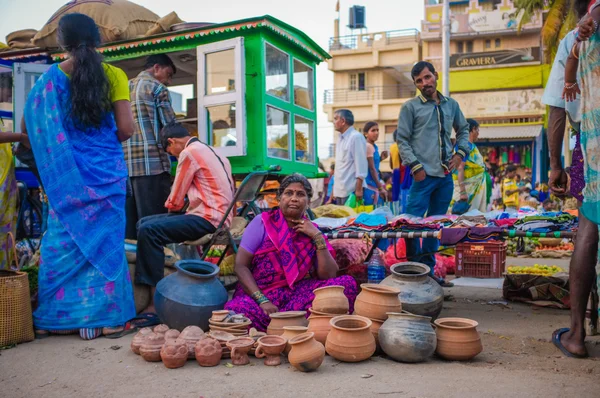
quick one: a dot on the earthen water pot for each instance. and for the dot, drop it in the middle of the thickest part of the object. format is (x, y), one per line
(281, 319)
(292, 331)
(457, 339)
(161, 329)
(208, 352)
(375, 301)
(191, 335)
(350, 338)
(138, 339)
(419, 293)
(270, 348)
(239, 350)
(320, 325)
(174, 354)
(307, 354)
(406, 337)
(330, 299)
(172, 334)
(150, 349)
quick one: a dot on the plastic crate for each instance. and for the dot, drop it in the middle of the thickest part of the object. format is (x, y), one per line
(481, 259)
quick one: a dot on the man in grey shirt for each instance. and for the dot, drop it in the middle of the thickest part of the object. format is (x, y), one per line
(424, 127)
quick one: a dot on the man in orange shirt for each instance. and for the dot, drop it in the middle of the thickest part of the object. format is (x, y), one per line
(205, 178)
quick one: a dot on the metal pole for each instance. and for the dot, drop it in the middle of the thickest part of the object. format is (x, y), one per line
(446, 48)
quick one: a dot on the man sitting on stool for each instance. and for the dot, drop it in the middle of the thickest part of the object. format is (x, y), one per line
(205, 178)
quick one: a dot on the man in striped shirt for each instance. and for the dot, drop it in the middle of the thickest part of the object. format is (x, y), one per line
(205, 178)
(147, 161)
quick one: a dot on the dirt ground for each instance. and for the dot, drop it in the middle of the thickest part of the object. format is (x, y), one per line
(518, 361)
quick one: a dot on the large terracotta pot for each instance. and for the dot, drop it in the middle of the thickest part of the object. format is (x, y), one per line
(407, 338)
(307, 354)
(208, 352)
(320, 325)
(330, 299)
(290, 318)
(419, 293)
(350, 338)
(138, 339)
(270, 348)
(290, 332)
(189, 296)
(457, 339)
(174, 354)
(150, 349)
(375, 301)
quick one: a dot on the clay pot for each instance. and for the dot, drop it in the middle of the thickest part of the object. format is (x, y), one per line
(190, 335)
(172, 334)
(161, 329)
(457, 339)
(208, 352)
(307, 354)
(219, 315)
(375, 301)
(320, 325)
(138, 339)
(419, 293)
(376, 325)
(350, 338)
(174, 354)
(330, 299)
(270, 348)
(281, 319)
(290, 332)
(239, 350)
(150, 349)
(407, 338)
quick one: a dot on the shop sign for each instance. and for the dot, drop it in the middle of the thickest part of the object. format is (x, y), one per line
(501, 103)
(491, 58)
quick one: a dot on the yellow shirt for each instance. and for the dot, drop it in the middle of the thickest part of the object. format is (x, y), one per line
(395, 156)
(117, 80)
(510, 200)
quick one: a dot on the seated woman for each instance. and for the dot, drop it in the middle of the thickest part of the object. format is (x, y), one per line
(283, 257)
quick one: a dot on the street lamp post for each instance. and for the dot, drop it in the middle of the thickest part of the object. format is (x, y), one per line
(446, 48)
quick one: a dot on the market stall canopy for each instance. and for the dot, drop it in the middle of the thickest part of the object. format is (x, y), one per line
(529, 131)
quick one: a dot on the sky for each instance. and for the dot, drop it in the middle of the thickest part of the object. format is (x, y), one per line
(314, 17)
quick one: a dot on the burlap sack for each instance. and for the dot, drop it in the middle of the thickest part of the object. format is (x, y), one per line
(164, 24)
(116, 19)
(21, 39)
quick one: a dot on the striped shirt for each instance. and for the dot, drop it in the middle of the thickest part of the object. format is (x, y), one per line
(201, 176)
(151, 108)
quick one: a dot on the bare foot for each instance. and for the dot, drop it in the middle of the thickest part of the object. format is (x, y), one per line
(573, 344)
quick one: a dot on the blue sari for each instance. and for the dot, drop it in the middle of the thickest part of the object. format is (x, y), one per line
(84, 280)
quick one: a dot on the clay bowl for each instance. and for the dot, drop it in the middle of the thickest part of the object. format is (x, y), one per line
(457, 339)
(239, 350)
(174, 354)
(290, 332)
(232, 325)
(375, 301)
(331, 300)
(150, 348)
(138, 339)
(233, 331)
(320, 325)
(219, 315)
(307, 354)
(208, 352)
(350, 338)
(281, 319)
(270, 348)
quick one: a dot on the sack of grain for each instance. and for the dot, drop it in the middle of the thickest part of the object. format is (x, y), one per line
(21, 39)
(116, 19)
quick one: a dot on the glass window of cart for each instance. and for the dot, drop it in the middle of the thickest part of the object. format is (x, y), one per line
(303, 85)
(278, 133)
(304, 140)
(277, 72)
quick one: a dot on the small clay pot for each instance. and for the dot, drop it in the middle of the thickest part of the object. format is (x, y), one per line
(331, 300)
(208, 352)
(457, 339)
(350, 338)
(219, 315)
(150, 349)
(375, 301)
(174, 354)
(307, 354)
(239, 350)
(172, 334)
(292, 331)
(320, 325)
(191, 335)
(138, 339)
(270, 348)
(281, 319)
(161, 329)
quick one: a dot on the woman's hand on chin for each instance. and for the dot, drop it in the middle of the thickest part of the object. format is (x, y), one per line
(306, 227)
(269, 308)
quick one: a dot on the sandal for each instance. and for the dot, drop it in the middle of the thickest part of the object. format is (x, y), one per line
(132, 326)
(556, 341)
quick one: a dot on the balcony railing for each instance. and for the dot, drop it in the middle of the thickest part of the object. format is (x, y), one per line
(369, 93)
(353, 42)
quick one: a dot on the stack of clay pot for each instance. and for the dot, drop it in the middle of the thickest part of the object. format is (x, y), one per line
(374, 302)
(329, 302)
(224, 321)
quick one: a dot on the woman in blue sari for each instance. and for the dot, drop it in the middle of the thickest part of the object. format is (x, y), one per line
(76, 116)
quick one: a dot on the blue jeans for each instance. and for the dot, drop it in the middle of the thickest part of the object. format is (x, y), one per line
(432, 197)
